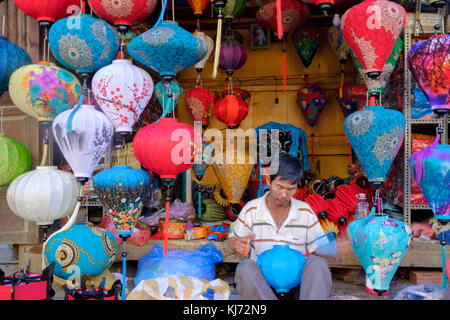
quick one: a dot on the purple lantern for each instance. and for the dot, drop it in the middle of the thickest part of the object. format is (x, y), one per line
(232, 56)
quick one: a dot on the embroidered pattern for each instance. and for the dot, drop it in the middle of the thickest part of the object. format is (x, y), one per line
(388, 144)
(67, 255)
(118, 8)
(360, 123)
(158, 37)
(75, 51)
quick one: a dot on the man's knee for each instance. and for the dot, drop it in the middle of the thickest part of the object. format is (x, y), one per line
(316, 263)
(246, 266)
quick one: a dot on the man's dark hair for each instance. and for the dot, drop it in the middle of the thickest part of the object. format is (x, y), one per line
(289, 168)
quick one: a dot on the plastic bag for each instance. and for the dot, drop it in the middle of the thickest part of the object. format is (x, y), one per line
(199, 263)
(424, 291)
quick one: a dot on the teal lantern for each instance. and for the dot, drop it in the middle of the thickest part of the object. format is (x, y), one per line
(199, 167)
(15, 159)
(168, 93)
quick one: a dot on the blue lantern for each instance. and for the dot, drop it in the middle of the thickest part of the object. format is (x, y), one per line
(375, 134)
(168, 93)
(282, 267)
(199, 168)
(380, 244)
(167, 49)
(82, 248)
(83, 43)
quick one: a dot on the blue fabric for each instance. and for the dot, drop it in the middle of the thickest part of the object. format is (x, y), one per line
(200, 168)
(83, 43)
(161, 93)
(421, 105)
(12, 58)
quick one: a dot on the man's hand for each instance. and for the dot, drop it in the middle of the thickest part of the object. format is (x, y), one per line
(240, 245)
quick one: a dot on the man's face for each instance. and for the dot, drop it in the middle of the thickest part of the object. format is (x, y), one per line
(282, 190)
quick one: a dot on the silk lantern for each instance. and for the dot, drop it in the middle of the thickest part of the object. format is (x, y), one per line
(122, 90)
(167, 49)
(311, 99)
(231, 110)
(375, 134)
(371, 29)
(337, 41)
(123, 13)
(43, 195)
(198, 101)
(199, 167)
(168, 93)
(380, 244)
(90, 135)
(209, 49)
(306, 41)
(353, 98)
(198, 6)
(242, 94)
(324, 5)
(232, 56)
(44, 90)
(232, 9)
(429, 63)
(15, 159)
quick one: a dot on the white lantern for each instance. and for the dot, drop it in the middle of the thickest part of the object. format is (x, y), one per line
(85, 145)
(122, 90)
(209, 44)
(43, 195)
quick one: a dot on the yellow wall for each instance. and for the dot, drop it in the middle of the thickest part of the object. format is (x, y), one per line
(331, 146)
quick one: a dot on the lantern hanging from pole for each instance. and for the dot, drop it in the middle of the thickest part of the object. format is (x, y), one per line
(242, 94)
(306, 41)
(198, 101)
(44, 90)
(15, 159)
(232, 9)
(168, 93)
(232, 57)
(324, 5)
(429, 63)
(219, 5)
(371, 29)
(90, 135)
(209, 49)
(231, 110)
(122, 90)
(311, 99)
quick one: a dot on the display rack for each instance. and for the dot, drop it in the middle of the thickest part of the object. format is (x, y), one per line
(413, 27)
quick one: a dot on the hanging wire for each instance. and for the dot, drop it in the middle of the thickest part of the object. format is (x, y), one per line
(3, 25)
(173, 10)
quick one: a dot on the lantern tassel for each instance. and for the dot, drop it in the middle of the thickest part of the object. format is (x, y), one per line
(342, 84)
(312, 147)
(72, 114)
(217, 52)
(279, 20)
(199, 204)
(166, 223)
(284, 63)
(444, 276)
(124, 269)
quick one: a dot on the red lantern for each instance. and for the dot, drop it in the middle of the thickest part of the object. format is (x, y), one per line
(231, 110)
(47, 12)
(371, 29)
(242, 94)
(199, 100)
(123, 13)
(324, 5)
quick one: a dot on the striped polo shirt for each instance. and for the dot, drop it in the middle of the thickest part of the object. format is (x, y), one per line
(300, 230)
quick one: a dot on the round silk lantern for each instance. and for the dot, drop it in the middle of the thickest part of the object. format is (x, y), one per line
(232, 9)
(83, 147)
(324, 5)
(168, 93)
(123, 13)
(232, 56)
(47, 12)
(282, 267)
(371, 29)
(122, 90)
(231, 110)
(43, 195)
(198, 100)
(209, 42)
(306, 41)
(44, 90)
(83, 43)
(167, 48)
(83, 249)
(380, 244)
(242, 94)
(375, 134)
(15, 159)
(429, 62)
(311, 99)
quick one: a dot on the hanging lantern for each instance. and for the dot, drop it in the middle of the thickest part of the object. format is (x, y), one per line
(15, 159)
(123, 13)
(375, 135)
(83, 43)
(168, 94)
(231, 110)
(324, 5)
(168, 49)
(377, 85)
(90, 134)
(47, 12)
(337, 41)
(198, 6)
(380, 244)
(43, 195)
(200, 165)
(371, 29)
(429, 62)
(242, 94)
(306, 41)
(353, 98)
(232, 9)
(232, 57)
(311, 99)
(14, 58)
(44, 90)
(122, 90)
(209, 49)
(198, 100)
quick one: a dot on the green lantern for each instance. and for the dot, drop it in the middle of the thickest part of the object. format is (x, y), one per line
(232, 9)
(15, 159)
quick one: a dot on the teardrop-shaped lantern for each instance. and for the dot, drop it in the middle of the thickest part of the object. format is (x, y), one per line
(380, 244)
(44, 90)
(91, 133)
(209, 42)
(83, 43)
(306, 41)
(231, 110)
(198, 100)
(429, 62)
(232, 56)
(337, 42)
(324, 5)
(43, 195)
(47, 12)
(122, 90)
(15, 159)
(168, 93)
(375, 134)
(200, 166)
(371, 29)
(122, 191)
(167, 49)
(312, 99)
(123, 13)
(431, 169)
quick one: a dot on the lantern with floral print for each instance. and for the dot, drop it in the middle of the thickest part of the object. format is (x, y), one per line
(306, 41)
(198, 100)
(311, 99)
(371, 29)
(168, 93)
(324, 5)
(15, 159)
(231, 110)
